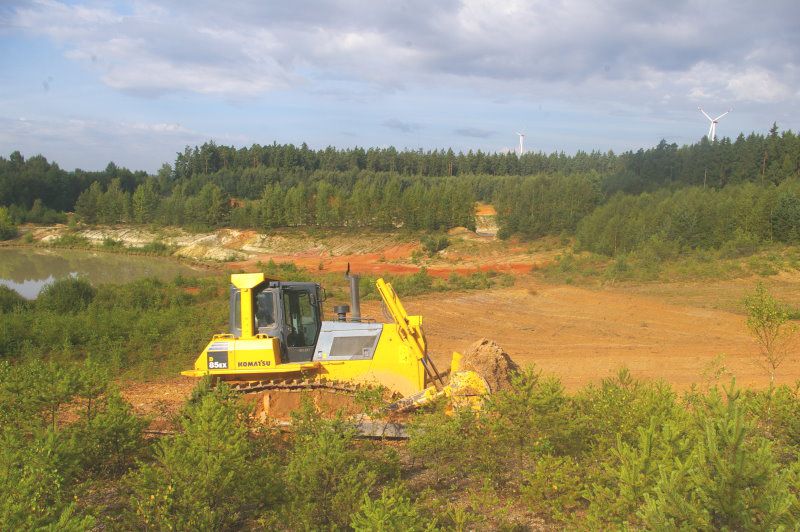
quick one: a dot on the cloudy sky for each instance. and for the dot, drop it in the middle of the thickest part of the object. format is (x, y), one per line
(84, 82)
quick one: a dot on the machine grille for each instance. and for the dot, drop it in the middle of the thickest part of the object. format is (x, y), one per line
(359, 346)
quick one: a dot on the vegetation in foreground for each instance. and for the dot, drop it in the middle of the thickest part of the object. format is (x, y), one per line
(621, 454)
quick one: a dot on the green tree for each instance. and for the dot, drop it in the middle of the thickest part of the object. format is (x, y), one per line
(208, 477)
(768, 322)
(328, 474)
(7, 228)
(145, 202)
(730, 481)
(392, 511)
(88, 204)
(66, 295)
(272, 207)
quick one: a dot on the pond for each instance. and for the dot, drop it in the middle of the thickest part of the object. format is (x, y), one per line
(27, 270)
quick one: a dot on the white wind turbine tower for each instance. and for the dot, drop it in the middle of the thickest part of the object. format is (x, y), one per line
(712, 131)
(521, 143)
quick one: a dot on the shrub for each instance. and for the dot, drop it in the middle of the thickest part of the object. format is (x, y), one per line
(10, 300)
(777, 412)
(452, 446)
(729, 481)
(285, 271)
(743, 243)
(550, 486)
(433, 244)
(767, 320)
(43, 215)
(108, 442)
(32, 488)
(111, 244)
(394, 510)
(328, 474)
(615, 410)
(209, 477)
(41, 461)
(631, 473)
(529, 416)
(70, 240)
(7, 228)
(66, 295)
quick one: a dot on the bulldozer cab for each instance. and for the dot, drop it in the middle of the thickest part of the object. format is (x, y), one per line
(289, 311)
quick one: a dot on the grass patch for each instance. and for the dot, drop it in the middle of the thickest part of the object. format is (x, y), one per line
(155, 247)
(70, 240)
(646, 266)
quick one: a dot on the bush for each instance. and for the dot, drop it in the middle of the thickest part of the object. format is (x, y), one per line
(550, 486)
(66, 295)
(452, 446)
(394, 510)
(529, 417)
(111, 244)
(777, 412)
(32, 488)
(40, 214)
(70, 240)
(7, 228)
(10, 300)
(42, 461)
(433, 244)
(209, 477)
(729, 481)
(630, 473)
(107, 442)
(328, 473)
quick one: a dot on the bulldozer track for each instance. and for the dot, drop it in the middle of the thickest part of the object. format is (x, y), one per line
(295, 386)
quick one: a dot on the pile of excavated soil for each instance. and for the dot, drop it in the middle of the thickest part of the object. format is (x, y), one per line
(488, 360)
(279, 404)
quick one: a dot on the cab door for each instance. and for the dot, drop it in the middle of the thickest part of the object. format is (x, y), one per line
(301, 323)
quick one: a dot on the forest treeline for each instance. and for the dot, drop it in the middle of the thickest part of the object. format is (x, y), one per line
(612, 202)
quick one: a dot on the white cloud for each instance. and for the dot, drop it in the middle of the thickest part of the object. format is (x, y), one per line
(91, 144)
(617, 51)
(759, 85)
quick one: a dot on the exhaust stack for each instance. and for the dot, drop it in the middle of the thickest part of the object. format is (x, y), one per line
(355, 296)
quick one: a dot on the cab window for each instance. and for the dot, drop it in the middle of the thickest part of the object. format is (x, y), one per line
(302, 318)
(264, 311)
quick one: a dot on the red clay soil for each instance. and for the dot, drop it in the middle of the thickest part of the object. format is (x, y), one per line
(363, 263)
(371, 263)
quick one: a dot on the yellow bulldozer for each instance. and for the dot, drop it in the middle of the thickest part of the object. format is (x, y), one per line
(278, 340)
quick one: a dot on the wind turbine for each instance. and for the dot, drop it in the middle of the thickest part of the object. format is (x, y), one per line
(521, 143)
(712, 131)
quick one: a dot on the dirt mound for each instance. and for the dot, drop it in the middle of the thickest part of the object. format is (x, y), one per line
(489, 360)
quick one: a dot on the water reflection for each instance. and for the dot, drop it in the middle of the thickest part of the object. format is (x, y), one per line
(27, 270)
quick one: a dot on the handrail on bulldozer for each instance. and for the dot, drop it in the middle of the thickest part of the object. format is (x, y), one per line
(409, 329)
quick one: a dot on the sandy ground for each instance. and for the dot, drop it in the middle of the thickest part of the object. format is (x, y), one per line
(582, 335)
